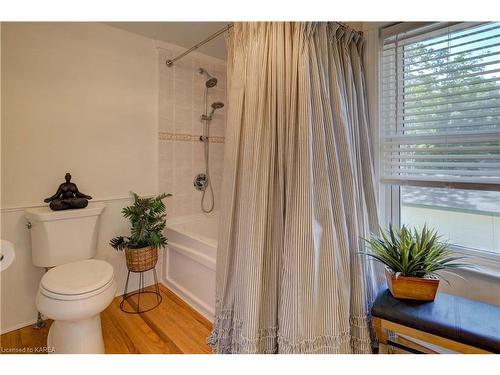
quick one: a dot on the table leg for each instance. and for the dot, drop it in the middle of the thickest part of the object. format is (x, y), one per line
(381, 335)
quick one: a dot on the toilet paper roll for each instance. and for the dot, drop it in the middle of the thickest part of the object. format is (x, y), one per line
(7, 254)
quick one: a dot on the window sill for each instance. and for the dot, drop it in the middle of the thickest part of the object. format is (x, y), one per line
(487, 264)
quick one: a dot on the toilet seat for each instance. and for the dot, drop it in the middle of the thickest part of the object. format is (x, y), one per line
(74, 297)
(77, 280)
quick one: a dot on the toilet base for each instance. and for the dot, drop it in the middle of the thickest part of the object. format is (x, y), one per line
(76, 337)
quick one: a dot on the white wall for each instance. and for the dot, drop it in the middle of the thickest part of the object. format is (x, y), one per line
(78, 97)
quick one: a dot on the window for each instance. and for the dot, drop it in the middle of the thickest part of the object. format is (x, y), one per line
(440, 130)
(469, 218)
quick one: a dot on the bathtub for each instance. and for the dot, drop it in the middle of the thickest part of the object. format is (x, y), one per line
(189, 265)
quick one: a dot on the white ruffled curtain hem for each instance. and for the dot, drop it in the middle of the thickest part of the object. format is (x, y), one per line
(227, 338)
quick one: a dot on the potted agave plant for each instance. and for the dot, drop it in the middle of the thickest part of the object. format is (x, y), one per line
(147, 217)
(413, 258)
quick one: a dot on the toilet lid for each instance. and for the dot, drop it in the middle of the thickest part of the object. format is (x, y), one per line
(78, 277)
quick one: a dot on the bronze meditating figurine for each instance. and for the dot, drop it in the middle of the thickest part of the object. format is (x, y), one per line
(67, 196)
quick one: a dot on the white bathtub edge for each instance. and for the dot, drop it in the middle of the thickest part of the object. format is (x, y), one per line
(197, 257)
(173, 225)
(188, 218)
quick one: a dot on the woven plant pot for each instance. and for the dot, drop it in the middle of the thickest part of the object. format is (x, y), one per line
(140, 260)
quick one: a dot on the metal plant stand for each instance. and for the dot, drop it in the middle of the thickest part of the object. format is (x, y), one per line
(128, 297)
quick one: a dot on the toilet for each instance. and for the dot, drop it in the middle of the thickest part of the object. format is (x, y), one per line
(76, 288)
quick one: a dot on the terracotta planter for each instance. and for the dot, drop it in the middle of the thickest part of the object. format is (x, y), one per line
(415, 288)
(140, 260)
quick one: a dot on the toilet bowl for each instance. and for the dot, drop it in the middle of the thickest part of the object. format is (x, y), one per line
(73, 295)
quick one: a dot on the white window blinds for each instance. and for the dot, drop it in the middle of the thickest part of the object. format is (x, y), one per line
(440, 108)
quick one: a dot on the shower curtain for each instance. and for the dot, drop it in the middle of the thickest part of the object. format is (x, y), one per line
(298, 193)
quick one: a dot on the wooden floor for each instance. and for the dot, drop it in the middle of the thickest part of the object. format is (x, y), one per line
(173, 327)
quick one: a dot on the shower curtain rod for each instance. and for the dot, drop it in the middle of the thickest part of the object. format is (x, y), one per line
(213, 36)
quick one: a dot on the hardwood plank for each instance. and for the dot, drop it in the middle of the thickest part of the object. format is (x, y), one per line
(24, 341)
(172, 327)
(116, 340)
(195, 314)
(38, 341)
(143, 338)
(190, 322)
(176, 320)
(10, 340)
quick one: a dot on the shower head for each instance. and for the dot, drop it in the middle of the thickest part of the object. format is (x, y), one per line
(217, 105)
(211, 81)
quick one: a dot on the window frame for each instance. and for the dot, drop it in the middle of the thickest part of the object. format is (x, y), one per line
(487, 263)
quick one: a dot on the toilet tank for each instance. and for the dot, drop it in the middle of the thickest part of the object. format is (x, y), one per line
(59, 237)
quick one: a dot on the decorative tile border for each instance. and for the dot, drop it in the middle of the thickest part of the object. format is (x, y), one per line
(166, 136)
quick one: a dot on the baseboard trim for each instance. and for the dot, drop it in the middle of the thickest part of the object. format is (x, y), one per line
(17, 326)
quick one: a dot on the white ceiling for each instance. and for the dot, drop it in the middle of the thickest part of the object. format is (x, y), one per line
(184, 34)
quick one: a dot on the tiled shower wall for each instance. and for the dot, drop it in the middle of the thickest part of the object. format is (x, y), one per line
(181, 101)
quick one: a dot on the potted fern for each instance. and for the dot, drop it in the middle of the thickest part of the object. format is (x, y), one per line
(413, 258)
(147, 217)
